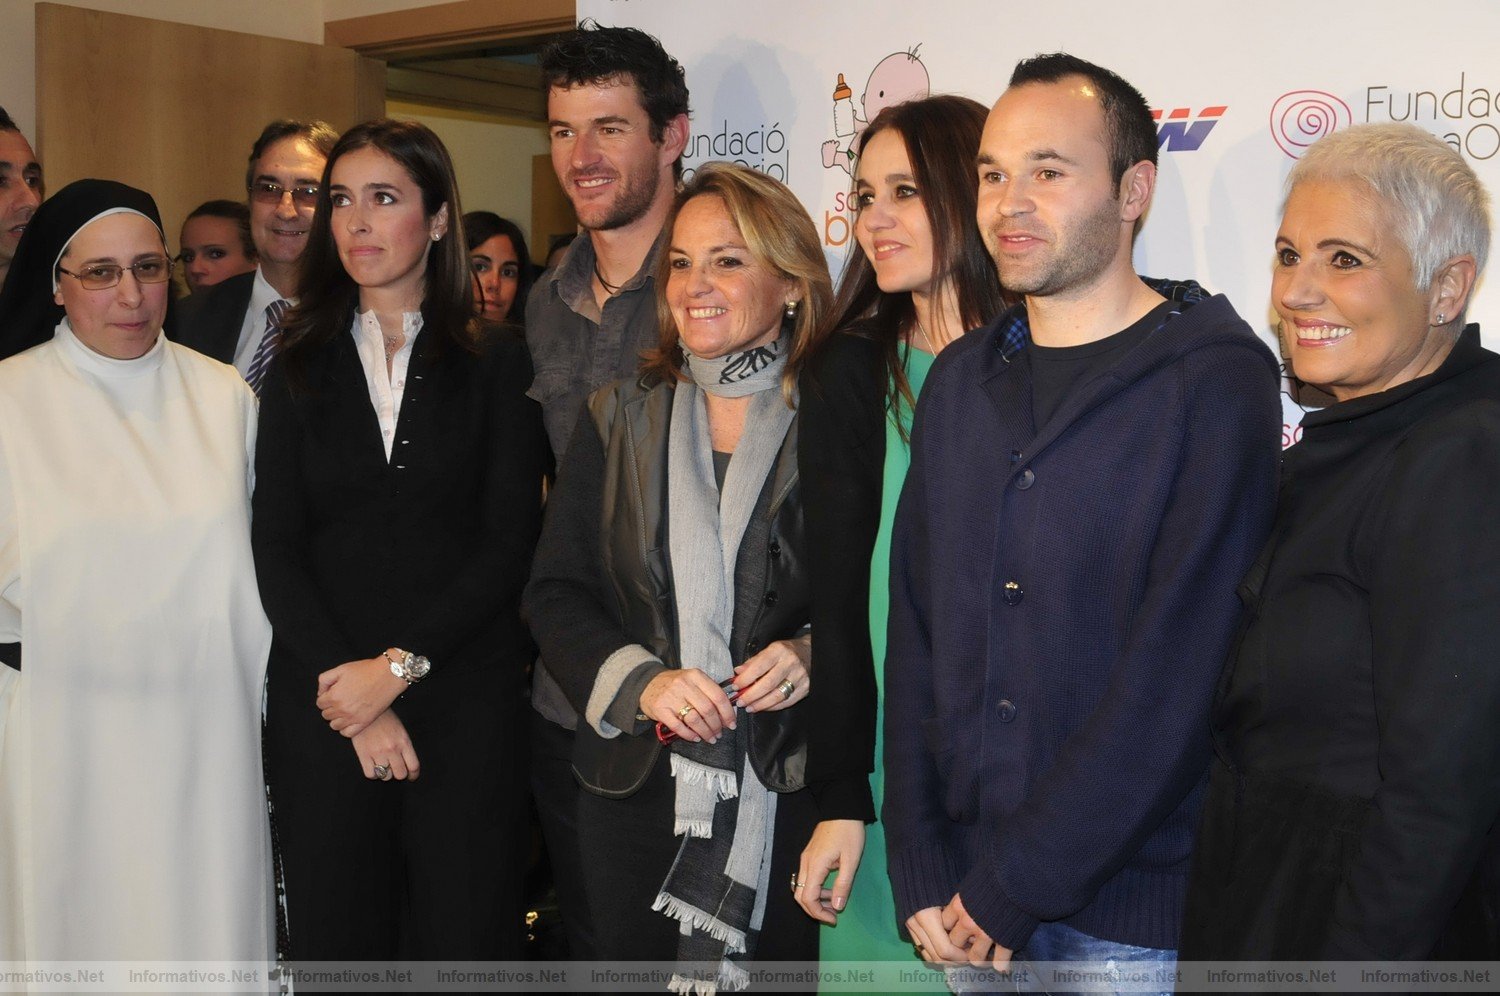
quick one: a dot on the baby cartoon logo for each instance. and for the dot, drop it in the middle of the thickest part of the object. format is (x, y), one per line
(897, 78)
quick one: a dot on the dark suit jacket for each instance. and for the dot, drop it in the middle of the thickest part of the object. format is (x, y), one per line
(209, 321)
(427, 552)
(841, 460)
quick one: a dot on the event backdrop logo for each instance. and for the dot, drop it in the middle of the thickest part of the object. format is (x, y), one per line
(759, 146)
(1461, 116)
(897, 78)
(1181, 132)
(1300, 118)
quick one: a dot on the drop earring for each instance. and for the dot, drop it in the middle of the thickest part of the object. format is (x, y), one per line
(791, 310)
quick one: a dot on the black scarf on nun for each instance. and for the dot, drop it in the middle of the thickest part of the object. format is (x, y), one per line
(28, 314)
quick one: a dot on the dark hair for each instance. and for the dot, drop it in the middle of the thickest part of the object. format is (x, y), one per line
(319, 134)
(235, 211)
(941, 135)
(1128, 125)
(479, 228)
(597, 55)
(328, 295)
(779, 234)
(6, 124)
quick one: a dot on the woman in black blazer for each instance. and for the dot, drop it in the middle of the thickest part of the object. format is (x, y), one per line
(397, 502)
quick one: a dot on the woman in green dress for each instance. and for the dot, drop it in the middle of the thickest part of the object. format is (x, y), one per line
(918, 278)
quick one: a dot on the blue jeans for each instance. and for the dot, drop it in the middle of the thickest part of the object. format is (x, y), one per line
(1063, 950)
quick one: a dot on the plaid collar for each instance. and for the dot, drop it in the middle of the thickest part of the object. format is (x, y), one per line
(1013, 329)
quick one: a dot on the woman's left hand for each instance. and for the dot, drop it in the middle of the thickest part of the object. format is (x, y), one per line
(776, 677)
(353, 694)
(835, 845)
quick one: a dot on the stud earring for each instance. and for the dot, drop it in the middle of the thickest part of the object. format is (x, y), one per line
(1442, 318)
(436, 236)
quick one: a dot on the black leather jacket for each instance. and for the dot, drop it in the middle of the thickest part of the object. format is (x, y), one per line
(602, 580)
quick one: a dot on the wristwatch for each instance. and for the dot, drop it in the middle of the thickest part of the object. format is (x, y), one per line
(409, 667)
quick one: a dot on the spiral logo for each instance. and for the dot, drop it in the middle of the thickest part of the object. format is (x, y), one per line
(1300, 118)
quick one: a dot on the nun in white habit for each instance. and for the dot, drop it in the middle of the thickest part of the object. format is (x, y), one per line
(132, 808)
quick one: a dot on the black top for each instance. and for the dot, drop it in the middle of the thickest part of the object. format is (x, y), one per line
(1367, 666)
(1057, 370)
(841, 460)
(210, 320)
(427, 551)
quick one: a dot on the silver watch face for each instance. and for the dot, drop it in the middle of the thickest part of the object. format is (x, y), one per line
(419, 667)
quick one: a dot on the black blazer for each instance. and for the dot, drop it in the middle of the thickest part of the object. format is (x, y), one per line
(210, 320)
(427, 552)
(841, 460)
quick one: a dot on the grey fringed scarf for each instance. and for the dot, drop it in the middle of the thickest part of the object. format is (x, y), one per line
(717, 885)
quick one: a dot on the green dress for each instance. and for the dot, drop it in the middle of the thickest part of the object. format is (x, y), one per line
(866, 929)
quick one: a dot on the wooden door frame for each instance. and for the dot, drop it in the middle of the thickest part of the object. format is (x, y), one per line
(448, 27)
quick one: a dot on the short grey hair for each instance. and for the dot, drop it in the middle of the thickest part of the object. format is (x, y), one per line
(1436, 204)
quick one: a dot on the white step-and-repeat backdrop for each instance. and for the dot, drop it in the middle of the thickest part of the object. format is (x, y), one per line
(1240, 91)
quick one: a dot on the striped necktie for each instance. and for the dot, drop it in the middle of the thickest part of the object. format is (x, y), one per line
(270, 344)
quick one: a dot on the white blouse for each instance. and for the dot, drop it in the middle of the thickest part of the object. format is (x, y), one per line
(386, 388)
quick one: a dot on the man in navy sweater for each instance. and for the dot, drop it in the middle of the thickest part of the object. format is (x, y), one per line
(1091, 476)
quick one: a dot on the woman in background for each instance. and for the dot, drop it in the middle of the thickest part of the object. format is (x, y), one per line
(918, 278)
(1351, 814)
(501, 266)
(396, 505)
(216, 244)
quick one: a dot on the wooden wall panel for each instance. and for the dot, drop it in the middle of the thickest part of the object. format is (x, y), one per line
(173, 108)
(448, 27)
(551, 211)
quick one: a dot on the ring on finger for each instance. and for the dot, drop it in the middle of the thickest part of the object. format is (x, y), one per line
(794, 881)
(383, 772)
(685, 711)
(786, 688)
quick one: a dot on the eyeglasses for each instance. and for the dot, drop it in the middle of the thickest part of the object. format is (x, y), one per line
(103, 276)
(266, 192)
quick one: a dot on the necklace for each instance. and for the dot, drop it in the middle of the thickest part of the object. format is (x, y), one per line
(392, 343)
(609, 288)
(931, 348)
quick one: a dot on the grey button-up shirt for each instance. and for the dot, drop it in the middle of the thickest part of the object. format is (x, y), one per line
(576, 348)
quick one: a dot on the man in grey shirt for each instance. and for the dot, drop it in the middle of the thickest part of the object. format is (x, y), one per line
(617, 109)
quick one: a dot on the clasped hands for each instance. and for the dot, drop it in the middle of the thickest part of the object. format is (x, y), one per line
(948, 935)
(355, 699)
(695, 708)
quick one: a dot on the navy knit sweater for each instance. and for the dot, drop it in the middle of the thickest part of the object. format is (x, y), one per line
(1062, 599)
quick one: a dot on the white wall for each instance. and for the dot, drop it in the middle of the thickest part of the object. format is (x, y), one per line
(491, 156)
(1241, 87)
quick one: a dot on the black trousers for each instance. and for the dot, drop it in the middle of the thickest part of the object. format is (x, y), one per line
(556, 792)
(424, 869)
(629, 847)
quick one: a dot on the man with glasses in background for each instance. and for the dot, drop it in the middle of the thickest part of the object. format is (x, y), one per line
(230, 321)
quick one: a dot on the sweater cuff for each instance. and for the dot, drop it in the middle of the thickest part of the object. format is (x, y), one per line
(625, 712)
(986, 902)
(921, 876)
(843, 799)
(617, 668)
